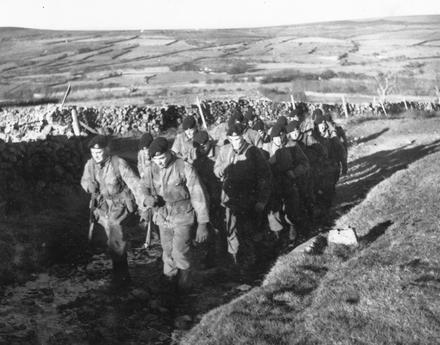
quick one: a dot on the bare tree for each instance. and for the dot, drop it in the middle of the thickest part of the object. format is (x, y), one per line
(386, 84)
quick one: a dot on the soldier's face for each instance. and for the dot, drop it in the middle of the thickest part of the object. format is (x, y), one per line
(294, 135)
(98, 155)
(322, 127)
(277, 141)
(236, 141)
(161, 160)
(190, 133)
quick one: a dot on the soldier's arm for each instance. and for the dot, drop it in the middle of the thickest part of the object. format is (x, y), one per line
(139, 163)
(258, 140)
(177, 145)
(133, 182)
(264, 177)
(197, 192)
(88, 181)
(220, 163)
(302, 165)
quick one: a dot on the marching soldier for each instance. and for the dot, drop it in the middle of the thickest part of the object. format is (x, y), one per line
(246, 179)
(183, 143)
(214, 251)
(336, 160)
(249, 134)
(181, 205)
(143, 158)
(116, 190)
(290, 169)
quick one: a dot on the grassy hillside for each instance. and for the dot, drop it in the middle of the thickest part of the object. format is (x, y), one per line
(385, 292)
(111, 66)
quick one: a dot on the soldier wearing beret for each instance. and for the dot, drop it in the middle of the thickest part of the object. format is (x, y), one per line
(143, 158)
(183, 143)
(336, 160)
(181, 206)
(117, 190)
(291, 171)
(246, 180)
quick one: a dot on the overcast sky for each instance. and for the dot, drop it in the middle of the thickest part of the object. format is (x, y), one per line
(197, 14)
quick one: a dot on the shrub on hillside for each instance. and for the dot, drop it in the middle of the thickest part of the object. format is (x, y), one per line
(328, 74)
(215, 81)
(185, 66)
(286, 76)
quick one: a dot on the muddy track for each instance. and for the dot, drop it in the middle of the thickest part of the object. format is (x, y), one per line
(77, 304)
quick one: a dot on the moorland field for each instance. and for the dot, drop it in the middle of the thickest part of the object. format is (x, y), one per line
(317, 61)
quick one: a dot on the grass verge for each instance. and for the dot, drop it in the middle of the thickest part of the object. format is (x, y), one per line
(386, 292)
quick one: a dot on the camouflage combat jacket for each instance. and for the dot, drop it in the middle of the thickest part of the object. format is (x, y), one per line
(115, 188)
(246, 176)
(180, 188)
(183, 147)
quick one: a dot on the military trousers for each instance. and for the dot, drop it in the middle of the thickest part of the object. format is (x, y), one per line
(241, 227)
(113, 218)
(176, 246)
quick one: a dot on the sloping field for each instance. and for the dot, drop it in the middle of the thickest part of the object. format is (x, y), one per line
(409, 47)
(385, 292)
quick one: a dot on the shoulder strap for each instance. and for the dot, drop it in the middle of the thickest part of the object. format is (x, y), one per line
(115, 164)
(92, 170)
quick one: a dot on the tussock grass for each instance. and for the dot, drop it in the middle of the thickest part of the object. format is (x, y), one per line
(386, 292)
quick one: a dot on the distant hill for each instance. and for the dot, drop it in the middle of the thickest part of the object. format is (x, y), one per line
(175, 65)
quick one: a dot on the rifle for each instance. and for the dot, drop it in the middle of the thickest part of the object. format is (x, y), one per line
(92, 219)
(147, 243)
(201, 114)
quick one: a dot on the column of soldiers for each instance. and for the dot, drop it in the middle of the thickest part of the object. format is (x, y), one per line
(229, 192)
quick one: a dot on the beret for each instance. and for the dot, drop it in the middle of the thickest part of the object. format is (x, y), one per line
(258, 126)
(291, 126)
(201, 137)
(235, 129)
(249, 114)
(98, 142)
(282, 120)
(276, 131)
(145, 141)
(237, 115)
(158, 146)
(189, 122)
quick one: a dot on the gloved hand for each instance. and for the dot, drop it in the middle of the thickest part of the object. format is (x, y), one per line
(260, 207)
(150, 201)
(202, 233)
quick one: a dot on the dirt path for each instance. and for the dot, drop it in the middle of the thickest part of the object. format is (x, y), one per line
(75, 304)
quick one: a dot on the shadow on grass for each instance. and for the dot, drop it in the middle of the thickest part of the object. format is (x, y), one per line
(372, 136)
(367, 172)
(375, 233)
